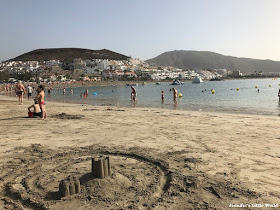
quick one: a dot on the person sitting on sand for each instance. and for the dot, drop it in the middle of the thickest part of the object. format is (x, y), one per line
(41, 99)
(37, 110)
(20, 91)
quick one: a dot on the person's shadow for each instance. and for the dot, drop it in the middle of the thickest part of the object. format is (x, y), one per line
(14, 118)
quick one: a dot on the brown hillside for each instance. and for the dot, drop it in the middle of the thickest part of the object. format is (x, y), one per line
(68, 54)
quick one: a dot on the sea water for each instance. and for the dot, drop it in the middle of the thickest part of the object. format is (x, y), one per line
(234, 96)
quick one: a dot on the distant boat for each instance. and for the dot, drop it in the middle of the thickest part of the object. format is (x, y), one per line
(177, 82)
(144, 83)
(197, 80)
(158, 83)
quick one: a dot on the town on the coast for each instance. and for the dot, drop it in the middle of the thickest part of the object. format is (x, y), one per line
(105, 70)
(84, 65)
(101, 69)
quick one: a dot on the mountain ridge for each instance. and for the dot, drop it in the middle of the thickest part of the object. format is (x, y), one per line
(191, 59)
(67, 54)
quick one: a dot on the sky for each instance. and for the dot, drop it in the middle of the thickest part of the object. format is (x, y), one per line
(142, 28)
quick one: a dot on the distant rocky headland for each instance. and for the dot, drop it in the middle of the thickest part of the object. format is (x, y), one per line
(209, 60)
(68, 54)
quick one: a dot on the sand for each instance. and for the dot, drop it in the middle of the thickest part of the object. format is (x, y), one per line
(161, 159)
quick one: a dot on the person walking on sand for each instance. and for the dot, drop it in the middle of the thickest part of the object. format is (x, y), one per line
(19, 92)
(29, 92)
(175, 95)
(133, 94)
(41, 99)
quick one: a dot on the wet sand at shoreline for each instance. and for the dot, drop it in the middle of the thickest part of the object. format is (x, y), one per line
(162, 159)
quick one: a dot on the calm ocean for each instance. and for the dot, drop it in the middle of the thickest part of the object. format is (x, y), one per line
(195, 96)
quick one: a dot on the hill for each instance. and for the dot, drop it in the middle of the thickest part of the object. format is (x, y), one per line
(203, 60)
(68, 54)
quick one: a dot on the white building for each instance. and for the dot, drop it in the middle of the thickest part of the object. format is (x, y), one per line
(97, 66)
(52, 62)
(222, 72)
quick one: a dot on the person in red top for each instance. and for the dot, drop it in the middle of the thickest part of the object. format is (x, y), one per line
(162, 96)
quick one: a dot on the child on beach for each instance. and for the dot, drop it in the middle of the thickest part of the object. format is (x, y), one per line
(37, 110)
(41, 99)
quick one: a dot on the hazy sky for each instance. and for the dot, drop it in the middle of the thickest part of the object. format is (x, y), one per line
(142, 28)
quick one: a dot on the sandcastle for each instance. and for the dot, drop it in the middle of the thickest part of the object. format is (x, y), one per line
(101, 168)
(69, 186)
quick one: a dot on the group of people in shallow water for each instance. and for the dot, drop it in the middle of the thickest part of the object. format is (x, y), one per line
(175, 95)
(39, 109)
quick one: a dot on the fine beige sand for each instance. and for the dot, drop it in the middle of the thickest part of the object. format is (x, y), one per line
(161, 159)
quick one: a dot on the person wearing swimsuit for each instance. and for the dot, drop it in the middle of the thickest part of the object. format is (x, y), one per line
(41, 99)
(175, 95)
(133, 94)
(37, 110)
(20, 91)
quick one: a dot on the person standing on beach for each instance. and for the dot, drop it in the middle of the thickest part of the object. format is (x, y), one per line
(162, 96)
(133, 94)
(175, 95)
(64, 91)
(279, 94)
(29, 92)
(41, 99)
(20, 91)
(49, 92)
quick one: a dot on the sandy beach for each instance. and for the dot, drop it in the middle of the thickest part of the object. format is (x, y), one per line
(161, 159)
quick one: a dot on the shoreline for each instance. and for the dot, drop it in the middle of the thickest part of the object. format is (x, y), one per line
(131, 106)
